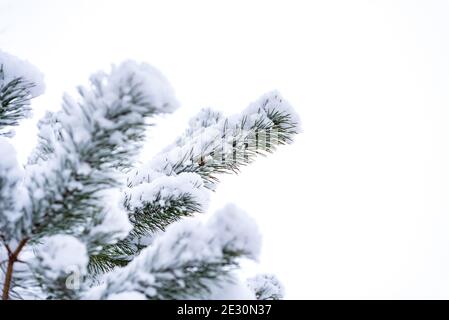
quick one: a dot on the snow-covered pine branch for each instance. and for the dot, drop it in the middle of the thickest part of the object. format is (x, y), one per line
(73, 177)
(212, 145)
(188, 260)
(59, 267)
(11, 190)
(266, 287)
(152, 207)
(80, 194)
(76, 171)
(19, 83)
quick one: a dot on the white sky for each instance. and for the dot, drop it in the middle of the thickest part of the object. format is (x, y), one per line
(358, 207)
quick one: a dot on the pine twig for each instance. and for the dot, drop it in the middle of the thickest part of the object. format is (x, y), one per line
(12, 258)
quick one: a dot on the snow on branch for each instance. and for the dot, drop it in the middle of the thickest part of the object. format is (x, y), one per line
(19, 83)
(186, 260)
(11, 191)
(211, 145)
(59, 265)
(214, 144)
(266, 287)
(84, 147)
(81, 204)
(152, 207)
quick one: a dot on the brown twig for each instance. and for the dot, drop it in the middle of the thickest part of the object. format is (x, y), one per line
(12, 258)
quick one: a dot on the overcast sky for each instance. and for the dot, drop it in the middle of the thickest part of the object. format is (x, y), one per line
(358, 206)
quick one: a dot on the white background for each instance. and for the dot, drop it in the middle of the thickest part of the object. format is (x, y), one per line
(358, 206)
